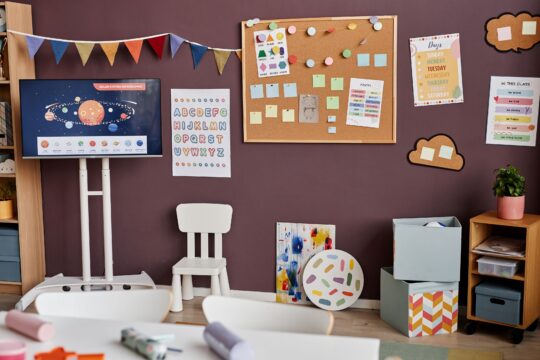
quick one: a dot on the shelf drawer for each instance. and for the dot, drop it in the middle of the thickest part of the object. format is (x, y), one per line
(497, 302)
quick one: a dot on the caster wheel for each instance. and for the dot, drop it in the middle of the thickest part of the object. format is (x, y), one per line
(533, 326)
(66, 288)
(517, 336)
(470, 328)
(126, 287)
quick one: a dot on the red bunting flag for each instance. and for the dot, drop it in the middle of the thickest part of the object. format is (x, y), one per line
(157, 43)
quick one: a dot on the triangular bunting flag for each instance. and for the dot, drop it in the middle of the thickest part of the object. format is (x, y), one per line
(238, 54)
(110, 50)
(221, 57)
(134, 47)
(84, 50)
(58, 48)
(197, 52)
(33, 43)
(175, 42)
(157, 43)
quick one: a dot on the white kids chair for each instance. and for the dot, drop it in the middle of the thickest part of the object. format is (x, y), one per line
(203, 219)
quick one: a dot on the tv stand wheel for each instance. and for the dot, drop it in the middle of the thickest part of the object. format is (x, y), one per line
(517, 336)
(66, 288)
(126, 287)
(470, 327)
(533, 326)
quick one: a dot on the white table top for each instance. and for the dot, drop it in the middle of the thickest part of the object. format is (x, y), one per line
(103, 336)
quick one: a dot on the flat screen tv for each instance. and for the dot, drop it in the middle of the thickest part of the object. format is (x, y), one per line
(90, 118)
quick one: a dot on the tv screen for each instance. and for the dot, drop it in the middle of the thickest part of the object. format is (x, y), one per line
(90, 118)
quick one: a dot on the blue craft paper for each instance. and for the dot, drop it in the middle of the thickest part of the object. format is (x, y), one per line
(362, 60)
(289, 90)
(256, 91)
(380, 60)
(197, 52)
(59, 49)
(33, 43)
(175, 42)
(272, 90)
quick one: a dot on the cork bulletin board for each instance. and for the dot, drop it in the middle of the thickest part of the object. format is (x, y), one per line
(303, 80)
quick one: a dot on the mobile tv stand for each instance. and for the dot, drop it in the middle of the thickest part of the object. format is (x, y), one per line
(60, 282)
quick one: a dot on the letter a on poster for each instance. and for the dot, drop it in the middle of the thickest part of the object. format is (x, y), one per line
(201, 141)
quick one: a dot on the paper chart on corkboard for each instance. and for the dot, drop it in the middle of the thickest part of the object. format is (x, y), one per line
(292, 102)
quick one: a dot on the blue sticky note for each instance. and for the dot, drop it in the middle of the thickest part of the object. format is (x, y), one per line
(362, 60)
(272, 90)
(380, 60)
(256, 91)
(289, 90)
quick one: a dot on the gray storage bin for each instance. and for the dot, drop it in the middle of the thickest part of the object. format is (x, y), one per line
(9, 241)
(424, 253)
(497, 302)
(10, 269)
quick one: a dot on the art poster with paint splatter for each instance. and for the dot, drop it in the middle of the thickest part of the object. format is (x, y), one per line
(295, 245)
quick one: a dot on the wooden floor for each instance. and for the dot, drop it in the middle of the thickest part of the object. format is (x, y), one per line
(366, 323)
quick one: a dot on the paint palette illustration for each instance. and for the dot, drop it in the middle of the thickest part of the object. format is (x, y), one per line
(333, 280)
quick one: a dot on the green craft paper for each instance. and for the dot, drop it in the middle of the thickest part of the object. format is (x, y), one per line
(319, 81)
(336, 83)
(332, 102)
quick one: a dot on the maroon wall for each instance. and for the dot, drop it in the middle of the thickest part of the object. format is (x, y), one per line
(360, 188)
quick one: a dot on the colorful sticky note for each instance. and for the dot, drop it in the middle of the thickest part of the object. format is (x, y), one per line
(427, 153)
(271, 111)
(255, 117)
(362, 60)
(336, 83)
(380, 60)
(319, 81)
(331, 129)
(446, 152)
(287, 115)
(331, 118)
(504, 33)
(256, 91)
(272, 90)
(332, 102)
(289, 90)
(528, 28)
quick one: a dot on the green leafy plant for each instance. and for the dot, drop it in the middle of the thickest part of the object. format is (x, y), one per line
(7, 189)
(508, 182)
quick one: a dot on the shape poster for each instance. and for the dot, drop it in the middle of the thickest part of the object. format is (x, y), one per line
(436, 70)
(365, 102)
(201, 132)
(271, 52)
(513, 111)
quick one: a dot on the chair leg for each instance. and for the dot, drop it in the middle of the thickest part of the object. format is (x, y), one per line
(187, 291)
(176, 305)
(214, 285)
(224, 283)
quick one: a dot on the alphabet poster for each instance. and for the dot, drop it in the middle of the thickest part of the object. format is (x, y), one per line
(201, 144)
(513, 111)
(436, 70)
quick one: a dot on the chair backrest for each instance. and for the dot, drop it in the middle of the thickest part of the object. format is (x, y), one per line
(132, 305)
(204, 219)
(259, 315)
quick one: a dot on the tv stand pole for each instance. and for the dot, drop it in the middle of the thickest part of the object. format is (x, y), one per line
(60, 282)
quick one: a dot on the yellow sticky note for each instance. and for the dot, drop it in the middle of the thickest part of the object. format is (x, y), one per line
(336, 83)
(332, 102)
(271, 111)
(255, 117)
(319, 81)
(287, 115)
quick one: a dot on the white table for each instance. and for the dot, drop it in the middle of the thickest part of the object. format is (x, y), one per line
(103, 336)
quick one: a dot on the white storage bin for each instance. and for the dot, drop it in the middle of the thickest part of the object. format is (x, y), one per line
(498, 267)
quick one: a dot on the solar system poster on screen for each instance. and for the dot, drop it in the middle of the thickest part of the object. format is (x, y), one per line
(91, 118)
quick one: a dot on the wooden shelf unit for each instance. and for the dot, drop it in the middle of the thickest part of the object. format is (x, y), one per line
(528, 276)
(27, 177)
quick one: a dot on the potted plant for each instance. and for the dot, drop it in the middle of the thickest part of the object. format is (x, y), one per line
(7, 189)
(509, 188)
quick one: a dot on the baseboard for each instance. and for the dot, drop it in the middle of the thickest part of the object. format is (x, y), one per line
(268, 296)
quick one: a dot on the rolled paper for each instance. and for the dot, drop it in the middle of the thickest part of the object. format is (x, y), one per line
(29, 325)
(143, 345)
(227, 344)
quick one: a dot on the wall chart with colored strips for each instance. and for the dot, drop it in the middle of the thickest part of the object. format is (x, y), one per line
(324, 80)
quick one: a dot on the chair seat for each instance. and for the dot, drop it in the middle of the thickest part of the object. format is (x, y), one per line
(198, 266)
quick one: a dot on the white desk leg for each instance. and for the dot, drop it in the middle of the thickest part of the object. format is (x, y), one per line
(187, 291)
(177, 294)
(214, 285)
(224, 283)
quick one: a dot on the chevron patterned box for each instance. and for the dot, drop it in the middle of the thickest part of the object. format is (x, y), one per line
(419, 308)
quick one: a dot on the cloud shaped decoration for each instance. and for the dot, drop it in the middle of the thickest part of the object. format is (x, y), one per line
(513, 32)
(439, 151)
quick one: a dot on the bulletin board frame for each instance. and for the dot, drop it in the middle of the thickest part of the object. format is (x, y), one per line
(296, 132)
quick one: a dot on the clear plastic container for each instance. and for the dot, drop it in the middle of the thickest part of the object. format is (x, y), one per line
(498, 267)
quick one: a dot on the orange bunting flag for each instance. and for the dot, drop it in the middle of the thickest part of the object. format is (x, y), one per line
(110, 50)
(238, 54)
(134, 47)
(157, 43)
(221, 57)
(84, 50)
